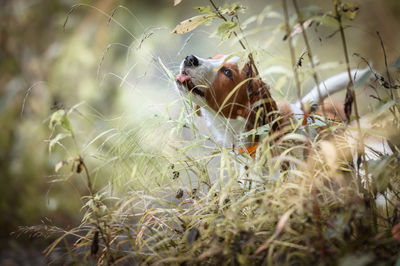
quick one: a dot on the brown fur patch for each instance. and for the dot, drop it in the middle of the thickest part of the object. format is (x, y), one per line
(241, 102)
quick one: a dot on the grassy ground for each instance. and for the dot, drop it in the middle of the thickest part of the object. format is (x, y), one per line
(147, 195)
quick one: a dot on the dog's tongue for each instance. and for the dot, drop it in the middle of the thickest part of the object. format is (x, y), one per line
(182, 77)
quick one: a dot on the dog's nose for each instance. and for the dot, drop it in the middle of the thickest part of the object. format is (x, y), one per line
(191, 60)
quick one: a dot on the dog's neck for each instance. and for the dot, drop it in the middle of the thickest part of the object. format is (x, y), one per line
(226, 131)
(229, 132)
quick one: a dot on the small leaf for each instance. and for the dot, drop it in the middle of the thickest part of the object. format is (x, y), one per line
(382, 172)
(326, 20)
(396, 63)
(381, 110)
(296, 29)
(350, 10)
(232, 9)
(57, 139)
(56, 118)
(60, 118)
(226, 27)
(193, 235)
(65, 123)
(361, 77)
(192, 23)
(204, 10)
(177, 2)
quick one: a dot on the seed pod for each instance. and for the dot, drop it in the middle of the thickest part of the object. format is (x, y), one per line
(179, 193)
(79, 168)
(95, 244)
(175, 175)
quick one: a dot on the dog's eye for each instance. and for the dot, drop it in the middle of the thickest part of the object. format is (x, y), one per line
(227, 72)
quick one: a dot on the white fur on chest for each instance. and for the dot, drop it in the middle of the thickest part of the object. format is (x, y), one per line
(226, 131)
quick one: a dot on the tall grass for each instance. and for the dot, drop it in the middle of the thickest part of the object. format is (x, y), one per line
(155, 198)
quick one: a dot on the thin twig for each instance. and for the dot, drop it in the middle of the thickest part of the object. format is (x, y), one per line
(389, 77)
(295, 63)
(350, 90)
(292, 54)
(386, 64)
(310, 57)
(270, 101)
(104, 236)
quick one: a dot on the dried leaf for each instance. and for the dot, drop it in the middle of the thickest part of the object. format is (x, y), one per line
(282, 222)
(59, 165)
(193, 235)
(348, 103)
(177, 2)
(298, 29)
(192, 23)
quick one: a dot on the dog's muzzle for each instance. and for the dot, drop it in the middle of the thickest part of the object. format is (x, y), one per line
(184, 80)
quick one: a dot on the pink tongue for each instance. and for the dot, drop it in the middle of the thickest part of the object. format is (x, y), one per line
(182, 77)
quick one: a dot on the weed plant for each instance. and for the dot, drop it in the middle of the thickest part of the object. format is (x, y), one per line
(153, 197)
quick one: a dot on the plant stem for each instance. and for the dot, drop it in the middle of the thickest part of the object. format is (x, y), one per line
(272, 107)
(292, 53)
(296, 75)
(386, 65)
(91, 192)
(318, 221)
(350, 89)
(393, 96)
(240, 41)
(310, 57)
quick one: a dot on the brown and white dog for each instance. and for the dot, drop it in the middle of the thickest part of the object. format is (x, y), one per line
(234, 101)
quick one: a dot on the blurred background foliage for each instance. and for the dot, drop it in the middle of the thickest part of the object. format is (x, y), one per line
(45, 66)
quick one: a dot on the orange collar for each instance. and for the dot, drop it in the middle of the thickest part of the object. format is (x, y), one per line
(250, 150)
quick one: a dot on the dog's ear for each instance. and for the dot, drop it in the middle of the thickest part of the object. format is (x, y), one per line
(261, 109)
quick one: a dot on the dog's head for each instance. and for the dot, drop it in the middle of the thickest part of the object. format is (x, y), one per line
(222, 86)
